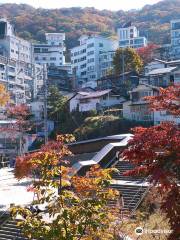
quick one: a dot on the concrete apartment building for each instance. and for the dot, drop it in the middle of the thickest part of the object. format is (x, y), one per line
(85, 58)
(106, 62)
(12, 46)
(175, 39)
(128, 36)
(51, 52)
(18, 72)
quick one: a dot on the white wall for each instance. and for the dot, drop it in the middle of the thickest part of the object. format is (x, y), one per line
(93, 46)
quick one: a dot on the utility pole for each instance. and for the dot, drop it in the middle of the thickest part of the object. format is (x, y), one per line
(123, 62)
(45, 103)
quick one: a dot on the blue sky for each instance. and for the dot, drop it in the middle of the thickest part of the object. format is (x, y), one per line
(99, 4)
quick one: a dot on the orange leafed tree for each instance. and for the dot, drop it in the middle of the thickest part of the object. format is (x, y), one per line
(79, 209)
(155, 152)
(4, 96)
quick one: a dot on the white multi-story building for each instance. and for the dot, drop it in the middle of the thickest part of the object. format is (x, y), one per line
(175, 39)
(12, 46)
(85, 58)
(18, 72)
(128, 36)
(106, 62)
(52, 52)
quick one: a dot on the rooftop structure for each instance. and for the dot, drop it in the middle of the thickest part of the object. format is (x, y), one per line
(128, 36)
(51, 52)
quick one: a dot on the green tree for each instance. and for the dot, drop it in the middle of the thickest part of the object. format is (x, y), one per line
(130, 58)
(56, 104)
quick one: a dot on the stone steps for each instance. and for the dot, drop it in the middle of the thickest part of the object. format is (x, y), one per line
(10, 231)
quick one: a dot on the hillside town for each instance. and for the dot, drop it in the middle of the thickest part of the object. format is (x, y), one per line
(97, 91)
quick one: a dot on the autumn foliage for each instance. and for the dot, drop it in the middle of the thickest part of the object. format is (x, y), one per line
(4, 96)
(147, 53)
(76, 207)
(155, 152)
(168, 100)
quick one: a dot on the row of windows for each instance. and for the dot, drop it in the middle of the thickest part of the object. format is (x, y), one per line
(106, 64)
(91, 68)
(132, 42)
(90, 53)
(43, 50)
(175, 25)
(79, 60)
(90, 60)
(92, 76)
(20, 46)
(106, 57)
(78, 53)
(176, 34)
(45, 58)
(21, 54)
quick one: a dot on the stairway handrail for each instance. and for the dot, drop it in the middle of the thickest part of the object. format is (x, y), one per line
(139, 190)
(140, 200)
(110, 162)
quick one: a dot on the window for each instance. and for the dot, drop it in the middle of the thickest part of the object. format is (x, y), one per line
(124, 42)
(90, 53)
(83, 51)
(176, 25)
(53, 58)
(12, 50)
(139, 41)
(44, 50)
(44, 58)
(90, 45)
(11, 69)
(37, 50)
(92, 76)
(101, 45)
(83, 66)
(90, 60)
(83, 73)
(91, 68)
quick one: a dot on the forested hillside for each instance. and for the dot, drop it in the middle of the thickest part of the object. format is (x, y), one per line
(31, 23)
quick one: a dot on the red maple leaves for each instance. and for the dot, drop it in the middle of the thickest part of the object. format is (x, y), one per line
(155, 152)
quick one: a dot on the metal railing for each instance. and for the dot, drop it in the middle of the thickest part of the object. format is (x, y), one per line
(141, 196)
